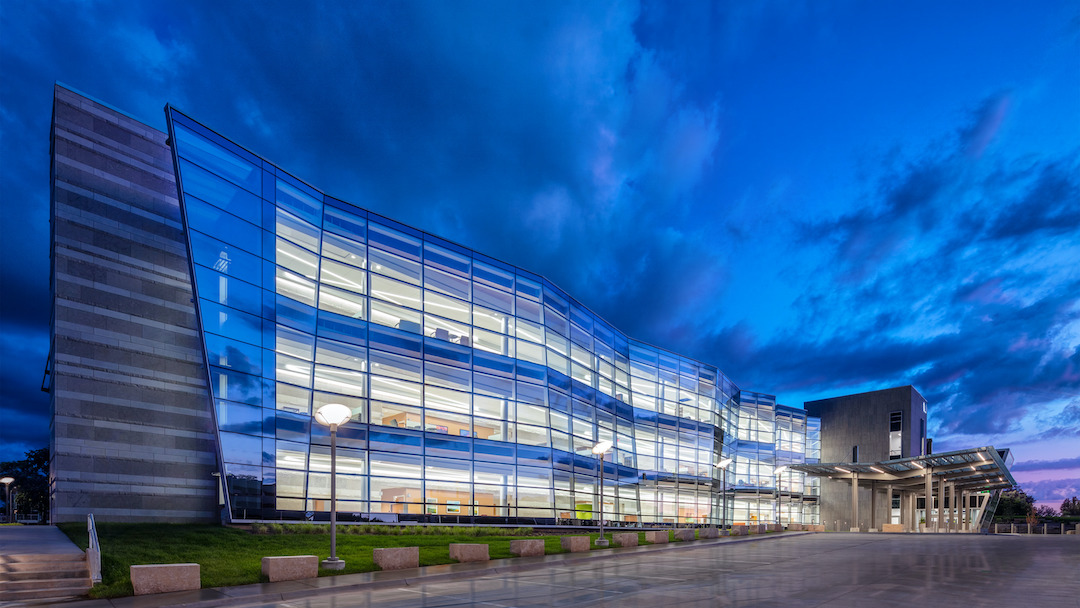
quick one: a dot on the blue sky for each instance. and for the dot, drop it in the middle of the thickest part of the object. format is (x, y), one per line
(817, 197)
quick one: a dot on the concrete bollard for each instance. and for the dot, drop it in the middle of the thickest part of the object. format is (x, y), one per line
(397, 558)
(575, 544)
(163, 578)
(625, 539)
(290, 567)
(527, 548)
(684, 534)
(656, 537)
(469, 552)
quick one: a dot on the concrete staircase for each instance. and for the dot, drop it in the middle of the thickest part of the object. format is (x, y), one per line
(43, 578)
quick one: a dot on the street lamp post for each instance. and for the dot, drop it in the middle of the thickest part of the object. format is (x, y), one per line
(7, 502)
(723, 466)
(333, 415)
(778, 472)
(600, 449)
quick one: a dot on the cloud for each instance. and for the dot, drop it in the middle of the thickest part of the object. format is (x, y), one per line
(985, 123)
(1042, 465)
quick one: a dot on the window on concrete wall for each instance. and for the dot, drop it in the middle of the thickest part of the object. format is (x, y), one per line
(896, 425)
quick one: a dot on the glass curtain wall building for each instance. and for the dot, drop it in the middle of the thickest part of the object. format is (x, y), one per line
(477, 389)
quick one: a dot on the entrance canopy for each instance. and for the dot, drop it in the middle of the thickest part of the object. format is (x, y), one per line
(974, 469)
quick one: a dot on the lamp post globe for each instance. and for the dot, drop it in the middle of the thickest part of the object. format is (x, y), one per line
(333, 415)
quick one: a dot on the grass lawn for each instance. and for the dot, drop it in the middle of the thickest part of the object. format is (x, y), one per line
(230, 556)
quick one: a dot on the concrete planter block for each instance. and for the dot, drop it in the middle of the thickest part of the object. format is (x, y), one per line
(163, 578)
(527, 548)
(892, 527)
(795, 527)
(740, 530)
(725, 532)
(397, 558)
(684, 534)
(290, 568)
(752, 530)
(774, 528)
(818, 527)
(657, 537)
(575, 544)
(625, 539)
(469, 552)
(709, 533)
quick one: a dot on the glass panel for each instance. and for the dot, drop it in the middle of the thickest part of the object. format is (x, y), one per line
(446, 260)
(395, 266)
(396, 366)
(450, 308)
(343, 276)
(397, 391)
(393, 240)
(341, 354)
(343, 250)
(208, 154)
(222, 226)
(293, 399)
(297, 230)
(447, 283)
(342, 381)
(341, 302)
(397, 292)
(302, 201)
(297, 259)
(344, 222)
(202, 184)
(294, 286)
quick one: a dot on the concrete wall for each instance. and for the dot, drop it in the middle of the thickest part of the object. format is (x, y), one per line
(132, 436)
(863, 420)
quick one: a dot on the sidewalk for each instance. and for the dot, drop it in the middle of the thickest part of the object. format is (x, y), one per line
(347, 583)
(35, 540)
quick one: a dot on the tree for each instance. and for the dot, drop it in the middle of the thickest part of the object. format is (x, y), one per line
(1070, 507)
(1045, 511)
(1014, 503)
(30, 490)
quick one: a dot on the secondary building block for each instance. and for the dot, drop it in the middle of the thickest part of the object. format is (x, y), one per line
(657, 537)
(527, 548)
(625, 539)
(684, 534)
(709, 533)
(397, 558)
(290, 567)
(163, 578)
(469, 552)
(575, 544)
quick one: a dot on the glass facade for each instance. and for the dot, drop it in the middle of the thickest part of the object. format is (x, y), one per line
(477, 389)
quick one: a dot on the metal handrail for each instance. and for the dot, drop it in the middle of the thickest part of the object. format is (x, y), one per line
(93, 552)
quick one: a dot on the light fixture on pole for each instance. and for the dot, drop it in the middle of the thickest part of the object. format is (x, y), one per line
(333, 415)
(600, 449)
(723, 465)
(778, 471)
(7, 502)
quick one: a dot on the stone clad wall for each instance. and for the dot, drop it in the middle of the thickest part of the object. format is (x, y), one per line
(132, 433)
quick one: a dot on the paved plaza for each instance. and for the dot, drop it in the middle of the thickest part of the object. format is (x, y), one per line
(827, 570)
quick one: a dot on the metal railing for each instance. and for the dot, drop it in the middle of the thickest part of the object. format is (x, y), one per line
(93, 552)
